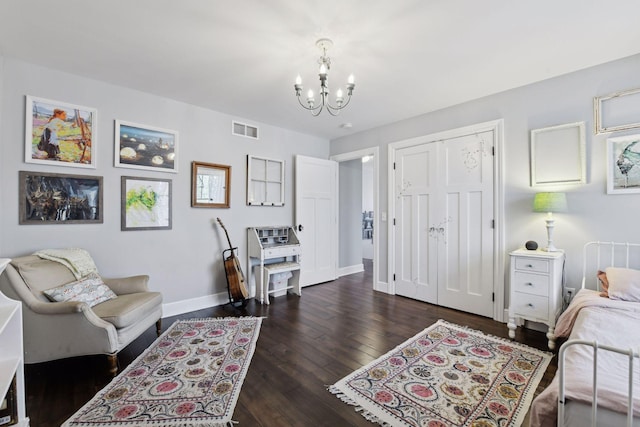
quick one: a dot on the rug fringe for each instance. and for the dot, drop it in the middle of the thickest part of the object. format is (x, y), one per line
(366, 414)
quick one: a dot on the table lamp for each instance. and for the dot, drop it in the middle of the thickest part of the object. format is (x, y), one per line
(549, 203)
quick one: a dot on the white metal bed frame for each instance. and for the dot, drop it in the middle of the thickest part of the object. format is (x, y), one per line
(618, 255)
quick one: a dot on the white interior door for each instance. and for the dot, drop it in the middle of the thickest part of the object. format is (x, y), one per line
(316, 208)
(415, 245)
(444, 242)
(465, 255)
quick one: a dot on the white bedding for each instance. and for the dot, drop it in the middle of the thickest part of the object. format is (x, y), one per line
(610, 322)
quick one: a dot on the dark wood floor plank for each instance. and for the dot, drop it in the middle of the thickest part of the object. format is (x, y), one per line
(305, 344)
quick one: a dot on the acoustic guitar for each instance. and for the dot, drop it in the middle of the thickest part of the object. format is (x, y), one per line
(235, 279)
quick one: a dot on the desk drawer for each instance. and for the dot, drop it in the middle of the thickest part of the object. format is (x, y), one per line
(536, 284)
(281, 252)
(530, 306)
(532, 264)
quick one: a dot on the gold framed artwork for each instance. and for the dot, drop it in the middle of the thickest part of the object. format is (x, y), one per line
(210, 185)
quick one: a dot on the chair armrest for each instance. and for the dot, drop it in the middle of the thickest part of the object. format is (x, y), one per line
(128, 285)
(65, 307)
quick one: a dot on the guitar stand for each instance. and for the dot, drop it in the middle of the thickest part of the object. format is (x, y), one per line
(232, 302)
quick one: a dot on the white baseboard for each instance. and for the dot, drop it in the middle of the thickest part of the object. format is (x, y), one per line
(194, 304)
(383, 287)
(345, 271)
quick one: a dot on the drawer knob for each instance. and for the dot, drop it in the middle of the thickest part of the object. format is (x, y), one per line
(530, 305)
(529, 266)
(528, 284)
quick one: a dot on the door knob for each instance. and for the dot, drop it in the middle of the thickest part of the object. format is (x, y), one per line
(300, 227)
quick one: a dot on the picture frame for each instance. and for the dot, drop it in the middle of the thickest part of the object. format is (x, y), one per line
(265, 181)
(616, 111)
(558, 155)
(145, 203)
(623, 164)
(145, 147)
(210, 185)
(53, 198)
(60, 134)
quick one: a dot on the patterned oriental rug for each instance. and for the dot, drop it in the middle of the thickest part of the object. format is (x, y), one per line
(447, 375)
(190, 376)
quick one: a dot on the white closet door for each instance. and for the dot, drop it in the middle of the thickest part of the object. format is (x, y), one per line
(415, 204)
(444, 222)
(465, 254)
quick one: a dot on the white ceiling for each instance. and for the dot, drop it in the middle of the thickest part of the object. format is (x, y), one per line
(241, 57)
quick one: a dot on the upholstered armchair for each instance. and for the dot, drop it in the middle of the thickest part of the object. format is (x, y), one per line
(57, 330)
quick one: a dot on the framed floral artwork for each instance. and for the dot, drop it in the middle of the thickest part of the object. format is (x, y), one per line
(145, 147)
(58, 133)
(145, 204)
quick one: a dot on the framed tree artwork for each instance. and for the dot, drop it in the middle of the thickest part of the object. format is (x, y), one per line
(53, 198)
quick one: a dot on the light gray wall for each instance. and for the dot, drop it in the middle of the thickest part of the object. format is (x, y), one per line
(593, 215)
(185, 262)
(350, 214)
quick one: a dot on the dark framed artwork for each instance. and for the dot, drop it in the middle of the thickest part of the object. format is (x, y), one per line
(61, 134)
(145, 147)
(54, 198)
(145, 204)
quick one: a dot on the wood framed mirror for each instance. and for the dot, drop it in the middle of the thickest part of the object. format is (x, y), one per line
(210, 185)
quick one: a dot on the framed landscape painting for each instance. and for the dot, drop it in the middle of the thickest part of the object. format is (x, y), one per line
(145, 204)
(52, 198)
(58, 133)
(145, 147)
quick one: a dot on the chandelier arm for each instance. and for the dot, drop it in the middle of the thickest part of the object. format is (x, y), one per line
(341, 106)
(307, 107)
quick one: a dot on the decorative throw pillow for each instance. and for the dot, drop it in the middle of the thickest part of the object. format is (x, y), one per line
(604, 283)
(90, 289)
(624, 283)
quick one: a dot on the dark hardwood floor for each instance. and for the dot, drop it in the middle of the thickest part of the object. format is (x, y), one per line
(306, 343)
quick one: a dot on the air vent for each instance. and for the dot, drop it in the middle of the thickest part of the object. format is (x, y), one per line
(242, 129)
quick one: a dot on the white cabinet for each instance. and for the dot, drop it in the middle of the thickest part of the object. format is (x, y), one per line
(11, 362)
(536, 289)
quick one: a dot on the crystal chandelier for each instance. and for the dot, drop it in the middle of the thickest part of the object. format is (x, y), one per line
(325, 63)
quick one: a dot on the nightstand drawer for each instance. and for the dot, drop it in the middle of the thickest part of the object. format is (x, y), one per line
(531, 306)
(536, 284)
(532, 264)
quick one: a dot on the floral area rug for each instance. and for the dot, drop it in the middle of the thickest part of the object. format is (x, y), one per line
(447, 375)
(190, 376)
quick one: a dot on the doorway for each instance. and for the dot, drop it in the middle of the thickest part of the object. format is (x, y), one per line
(365, 222)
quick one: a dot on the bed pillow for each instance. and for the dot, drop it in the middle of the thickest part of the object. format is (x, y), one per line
(604, 283)
(624, 283)
(90, 289)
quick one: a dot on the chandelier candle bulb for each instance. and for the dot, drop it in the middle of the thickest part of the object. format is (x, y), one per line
(298, 80)
(339, 96)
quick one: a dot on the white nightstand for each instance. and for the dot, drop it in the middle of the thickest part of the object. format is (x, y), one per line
(536, 289)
